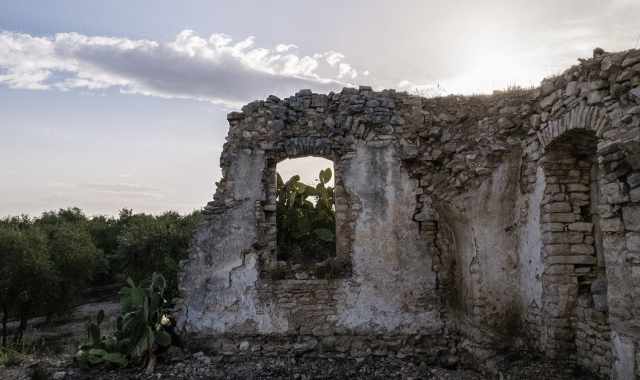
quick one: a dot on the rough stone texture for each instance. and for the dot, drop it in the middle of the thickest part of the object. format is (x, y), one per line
(485, 223)
(249, 366)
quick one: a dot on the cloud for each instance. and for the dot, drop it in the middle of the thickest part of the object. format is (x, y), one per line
(214, 69)
(333, 58)
(425, 90)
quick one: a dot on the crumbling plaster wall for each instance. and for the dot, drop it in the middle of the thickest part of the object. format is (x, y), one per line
(393, 284)
(449, 211)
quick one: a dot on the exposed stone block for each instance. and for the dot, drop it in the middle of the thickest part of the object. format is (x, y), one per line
(582, 249)
(631, 218)
(559, 217)
(633, 241)
(581, 226)
(613, 193)
(575, 259)
(611, 225)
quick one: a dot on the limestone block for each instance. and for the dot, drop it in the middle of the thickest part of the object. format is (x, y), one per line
(557, 249)
(633, 241)
(613, 193)
(572, 89)
(634, 180)
(563, 237)
(631, 218)
(558, 207)
(553, 227)
(549, 100)
(598, 84)
(611, 225)
(583, 249)
(581, 226)
(559, 217)
(576, 259)
(596, 97)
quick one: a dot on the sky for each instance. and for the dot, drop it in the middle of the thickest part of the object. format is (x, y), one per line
(122, 104)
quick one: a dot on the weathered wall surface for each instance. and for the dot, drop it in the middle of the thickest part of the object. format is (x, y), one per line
(477, 221)
(530, 261)
(393, 288)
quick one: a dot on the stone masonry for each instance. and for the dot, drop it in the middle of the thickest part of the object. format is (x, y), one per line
(466, 226)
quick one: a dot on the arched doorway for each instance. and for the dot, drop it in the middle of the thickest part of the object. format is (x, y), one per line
(575, 314)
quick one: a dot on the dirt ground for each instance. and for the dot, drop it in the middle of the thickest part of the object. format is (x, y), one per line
(201, 366)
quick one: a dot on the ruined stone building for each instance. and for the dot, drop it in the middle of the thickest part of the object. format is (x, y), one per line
(466, 225)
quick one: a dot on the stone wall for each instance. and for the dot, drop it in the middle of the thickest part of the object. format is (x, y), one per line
(484, 222)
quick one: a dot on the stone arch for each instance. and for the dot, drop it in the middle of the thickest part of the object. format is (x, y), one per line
(574, 286)
(579, 118)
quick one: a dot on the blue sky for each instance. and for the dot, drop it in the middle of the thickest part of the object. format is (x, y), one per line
(118, 104)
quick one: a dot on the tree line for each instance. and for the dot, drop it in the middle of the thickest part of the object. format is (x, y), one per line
(48, 261)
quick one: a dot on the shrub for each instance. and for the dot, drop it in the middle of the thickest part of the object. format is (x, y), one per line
(74, 257)
(151, 244)
(27, 275)
(48, 262)
(10, 357)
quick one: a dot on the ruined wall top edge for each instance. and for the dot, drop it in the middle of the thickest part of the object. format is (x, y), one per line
(449, 143)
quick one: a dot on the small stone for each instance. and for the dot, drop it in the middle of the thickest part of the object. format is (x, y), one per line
(595, 97)
(629, 61)
(613, 193)
(558, 207)
(582, 249)
(581, 226)
(547, 87)
(572, 89)
(611, 225)
(59, 375)
(269, 208)
(424, 215)
(549, 100)
(633, 241)
(634, 180)
(598, 85)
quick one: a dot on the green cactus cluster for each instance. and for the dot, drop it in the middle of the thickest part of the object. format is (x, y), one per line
(306, 219)
(140, 329)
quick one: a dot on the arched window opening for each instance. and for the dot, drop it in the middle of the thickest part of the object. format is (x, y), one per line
(305, 212)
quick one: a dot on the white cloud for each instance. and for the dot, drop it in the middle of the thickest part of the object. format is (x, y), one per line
(333, 58)
(190, 67)
(281, 48)
(426, 90)
(346, 71)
